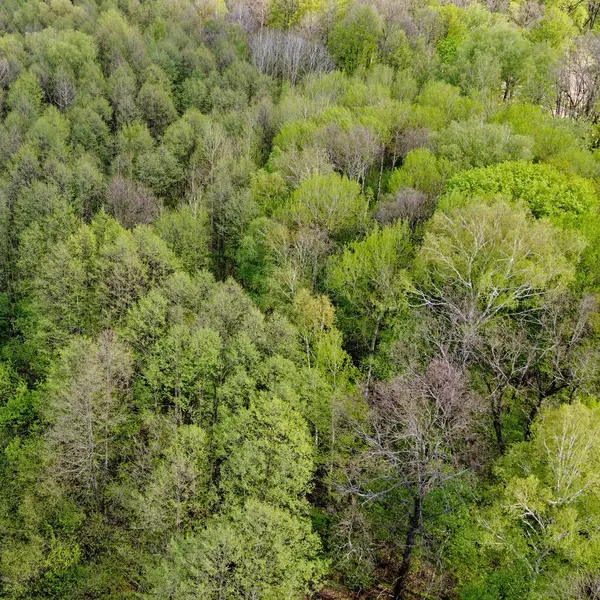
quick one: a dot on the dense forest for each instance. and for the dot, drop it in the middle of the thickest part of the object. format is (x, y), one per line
(299, 299)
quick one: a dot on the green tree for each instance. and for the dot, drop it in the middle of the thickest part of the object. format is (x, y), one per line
(257, 551)
(330, 202)
(25, 96)
(561, 144)
(369, 283)
(477, 144)
(486, 260)
(267, 454)
(287, 13)
(539, 526)
(186, 233)
(354, 39)
(122, 87)
(547, 191)
(173, 495)
(156, 106)
(182, 371)
(421, 170)
(492, 60)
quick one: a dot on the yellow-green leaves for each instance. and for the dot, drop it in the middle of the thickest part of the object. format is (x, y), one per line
(547, 191)
(329, 202)
(542, 525)
(369, 281)
(483, 260)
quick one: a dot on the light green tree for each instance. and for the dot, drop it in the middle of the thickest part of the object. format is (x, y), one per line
(330, 202)
(422, 170)
(186, 233)
(540, 527)
(547, 191)
(182, 370)
(258, 551)
(173, 495)
(475, 143)
(486, 260)
(266, 454)
(369, 283)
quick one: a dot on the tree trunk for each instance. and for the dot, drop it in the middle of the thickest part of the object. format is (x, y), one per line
(411, 536)
(497, 425)
(380, 175)
(372, 347)
(535, 409)
(532, 414)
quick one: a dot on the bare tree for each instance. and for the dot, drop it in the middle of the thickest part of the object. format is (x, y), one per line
(415, 441)
(300, 258)
(211, 153)
(86, 407)
(411, 139)
(502, 357)
(5, 71)
(309, 249)
(593, 10)
(407, 204)
(480, 262)
(547, 353)
(131, 203)
(500, 6)
(498, 294)
(250, 16)
(584, 586)
(296, 165)
(396, 15)
(530, 14)
(354, 151)
(63, 91)
(578, 80)
(288, 55)
(568, 358)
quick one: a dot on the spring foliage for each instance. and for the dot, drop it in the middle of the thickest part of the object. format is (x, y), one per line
(298, 298)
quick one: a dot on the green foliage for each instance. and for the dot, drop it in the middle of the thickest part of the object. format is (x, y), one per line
(539, 529)
(423, 171)
(186, 233)
(547, 191)
(353, 41)
(490, 58)
(258, 551)
(255, 259)
(330, 202)
(266, 454)
(477, 144)
(286, 13)
(268, 190)
(541, 254)
(558, 143)
(156, 107)
(182, 368)
(175, 496)
(370, 283)
(588, 226)
(25, 96)
(255, 253)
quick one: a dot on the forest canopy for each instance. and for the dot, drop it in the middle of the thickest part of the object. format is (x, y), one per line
(299, 299)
